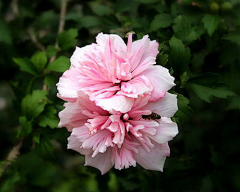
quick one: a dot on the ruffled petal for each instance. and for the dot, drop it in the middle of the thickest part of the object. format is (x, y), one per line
(68, 85)
(160, 79)
(166, 131)
(72, 116)
(101, 161)
(117, 103)
(165, 107)
(155, 159)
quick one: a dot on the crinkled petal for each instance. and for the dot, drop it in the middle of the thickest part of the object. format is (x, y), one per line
(68, 85)
(72, 116)
(74, 144)
(160, 79)
(116, 102)
(166, 131)
(165, 107)
(155, 159)
(101, 161)
(78, 55)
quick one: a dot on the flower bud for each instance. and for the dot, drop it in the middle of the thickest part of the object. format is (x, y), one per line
(226, 7)
(214, 7)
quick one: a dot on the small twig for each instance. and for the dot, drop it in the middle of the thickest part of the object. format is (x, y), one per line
(62, 15)
(15, 7)
(35, 40)
(61, 23)
(12, 155)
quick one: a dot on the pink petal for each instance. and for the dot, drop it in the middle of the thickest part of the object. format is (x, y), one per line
(102, 161)
(165, 107)
(148, 58)
(160, 79)
(72, 116)
(78, 55)
(117, 103)
(68, 85)
(75, 145)
(153, 160)
(166, 131)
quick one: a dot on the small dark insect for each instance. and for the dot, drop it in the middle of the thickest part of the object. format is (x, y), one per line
(152, 116)
(134, 36)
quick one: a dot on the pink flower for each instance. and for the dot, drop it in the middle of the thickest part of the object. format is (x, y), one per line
(114, 74)
(118, 139)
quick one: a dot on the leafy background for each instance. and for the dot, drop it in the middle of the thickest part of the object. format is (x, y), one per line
(199, 44)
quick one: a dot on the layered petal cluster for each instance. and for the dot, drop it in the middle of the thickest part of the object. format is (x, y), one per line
(117, 106)
(121, 139)
(113, 74)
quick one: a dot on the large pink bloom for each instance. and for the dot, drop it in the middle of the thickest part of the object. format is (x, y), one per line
(113, 74)
(121, 139)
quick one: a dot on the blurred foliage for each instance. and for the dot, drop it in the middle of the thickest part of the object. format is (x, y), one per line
(199, 44)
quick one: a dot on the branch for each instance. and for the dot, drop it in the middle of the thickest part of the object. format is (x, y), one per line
(12, 155)
(34, 40)
(61, 23)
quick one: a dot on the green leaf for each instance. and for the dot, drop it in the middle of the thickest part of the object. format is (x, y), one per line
(211, 23)
(162, 20)
(67, 39)
(233, 36)
(183, 115)
(100, 9)
(234, 103)
(163, 59)
(26, 65)
(179, 56)
(183, 29)
(61, 64)
(88, 21)
(48, 118)
(50, 80)
(26, 126)
(206, 87)
(5, 33)
(45, 147)
(39, 60)
(33, 105)
(8, 185)
(51, 51)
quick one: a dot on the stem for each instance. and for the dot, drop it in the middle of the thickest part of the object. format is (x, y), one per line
(35, 40)
(61, 23)
(12, 155)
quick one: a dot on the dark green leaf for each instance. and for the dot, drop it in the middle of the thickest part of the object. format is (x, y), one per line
(163, 58)
(26, 126)
(50, 80)
(48, 118)
(100, 9)
(184, 112)
(67, 39)
(5, 33)
(211, 23)
(26, 65)
(233, 36)
(88, 21)
(162, 20)
(61, 64)
(206, 87)
(45, 147)
(51, 51)
(183, 29)
(179, 56)
(33, 105)
(39, 60)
